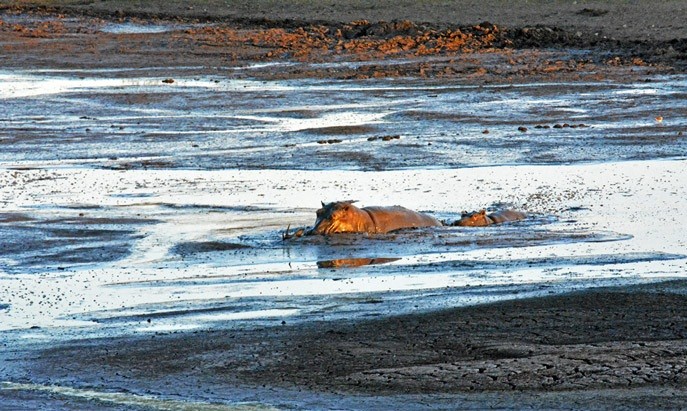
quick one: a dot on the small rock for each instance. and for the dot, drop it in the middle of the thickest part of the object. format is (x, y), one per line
(589, 12)
(522, 129)
(168, 81)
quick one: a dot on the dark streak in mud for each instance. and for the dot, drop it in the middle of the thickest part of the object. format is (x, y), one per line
(340, 130)
(186, 249)
(149, 317)
(14, 218)
(215, 208)
(546, 262)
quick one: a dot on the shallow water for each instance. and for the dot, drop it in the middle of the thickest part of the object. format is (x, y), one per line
(133, 206)
(120, 121)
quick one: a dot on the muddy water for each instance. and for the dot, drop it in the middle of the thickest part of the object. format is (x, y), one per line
(115, 119)
(133, 205)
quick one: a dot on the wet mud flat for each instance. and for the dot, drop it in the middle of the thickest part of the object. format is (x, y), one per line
(600, 349)
(149, 163)
(225, 315)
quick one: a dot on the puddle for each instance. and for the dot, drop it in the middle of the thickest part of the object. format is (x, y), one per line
(133, 28)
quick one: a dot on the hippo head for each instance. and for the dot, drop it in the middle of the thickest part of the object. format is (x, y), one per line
(474, 219)
(336, 217)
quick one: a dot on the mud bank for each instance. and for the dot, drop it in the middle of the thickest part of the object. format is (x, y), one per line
(600, 349)
(113, 34)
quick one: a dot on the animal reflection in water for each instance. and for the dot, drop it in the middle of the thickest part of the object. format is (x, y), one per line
(344, 217)
(354, 262)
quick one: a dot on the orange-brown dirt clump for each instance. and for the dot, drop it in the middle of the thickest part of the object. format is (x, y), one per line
(484, 52)
(360, 39)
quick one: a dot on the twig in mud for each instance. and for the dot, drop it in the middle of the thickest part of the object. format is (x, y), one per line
(298, 233)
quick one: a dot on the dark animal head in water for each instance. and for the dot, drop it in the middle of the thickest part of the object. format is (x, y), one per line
(339, 217)
(474, 219)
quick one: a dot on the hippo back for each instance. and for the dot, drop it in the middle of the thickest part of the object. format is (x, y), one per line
(388, 219)
(506, 215)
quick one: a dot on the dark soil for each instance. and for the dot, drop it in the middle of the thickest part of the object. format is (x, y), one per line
(593, 340)
(608, 36)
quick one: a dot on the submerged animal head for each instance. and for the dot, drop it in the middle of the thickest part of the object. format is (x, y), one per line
(474, 219)
(337, 217)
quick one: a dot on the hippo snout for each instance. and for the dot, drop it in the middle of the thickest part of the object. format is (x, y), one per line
(320, 228)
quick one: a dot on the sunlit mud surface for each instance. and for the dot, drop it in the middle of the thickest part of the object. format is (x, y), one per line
(141, 202)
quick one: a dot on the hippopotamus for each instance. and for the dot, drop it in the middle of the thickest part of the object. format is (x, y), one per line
(481, 218)
(344, 217)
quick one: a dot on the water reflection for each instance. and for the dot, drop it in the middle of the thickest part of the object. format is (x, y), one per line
(354, 262)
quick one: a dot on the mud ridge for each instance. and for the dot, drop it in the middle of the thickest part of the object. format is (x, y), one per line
(309, 38)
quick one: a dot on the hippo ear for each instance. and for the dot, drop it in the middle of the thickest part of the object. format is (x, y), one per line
(323, 204)
(483, 211)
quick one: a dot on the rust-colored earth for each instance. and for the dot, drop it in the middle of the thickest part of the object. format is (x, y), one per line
(74, 36)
